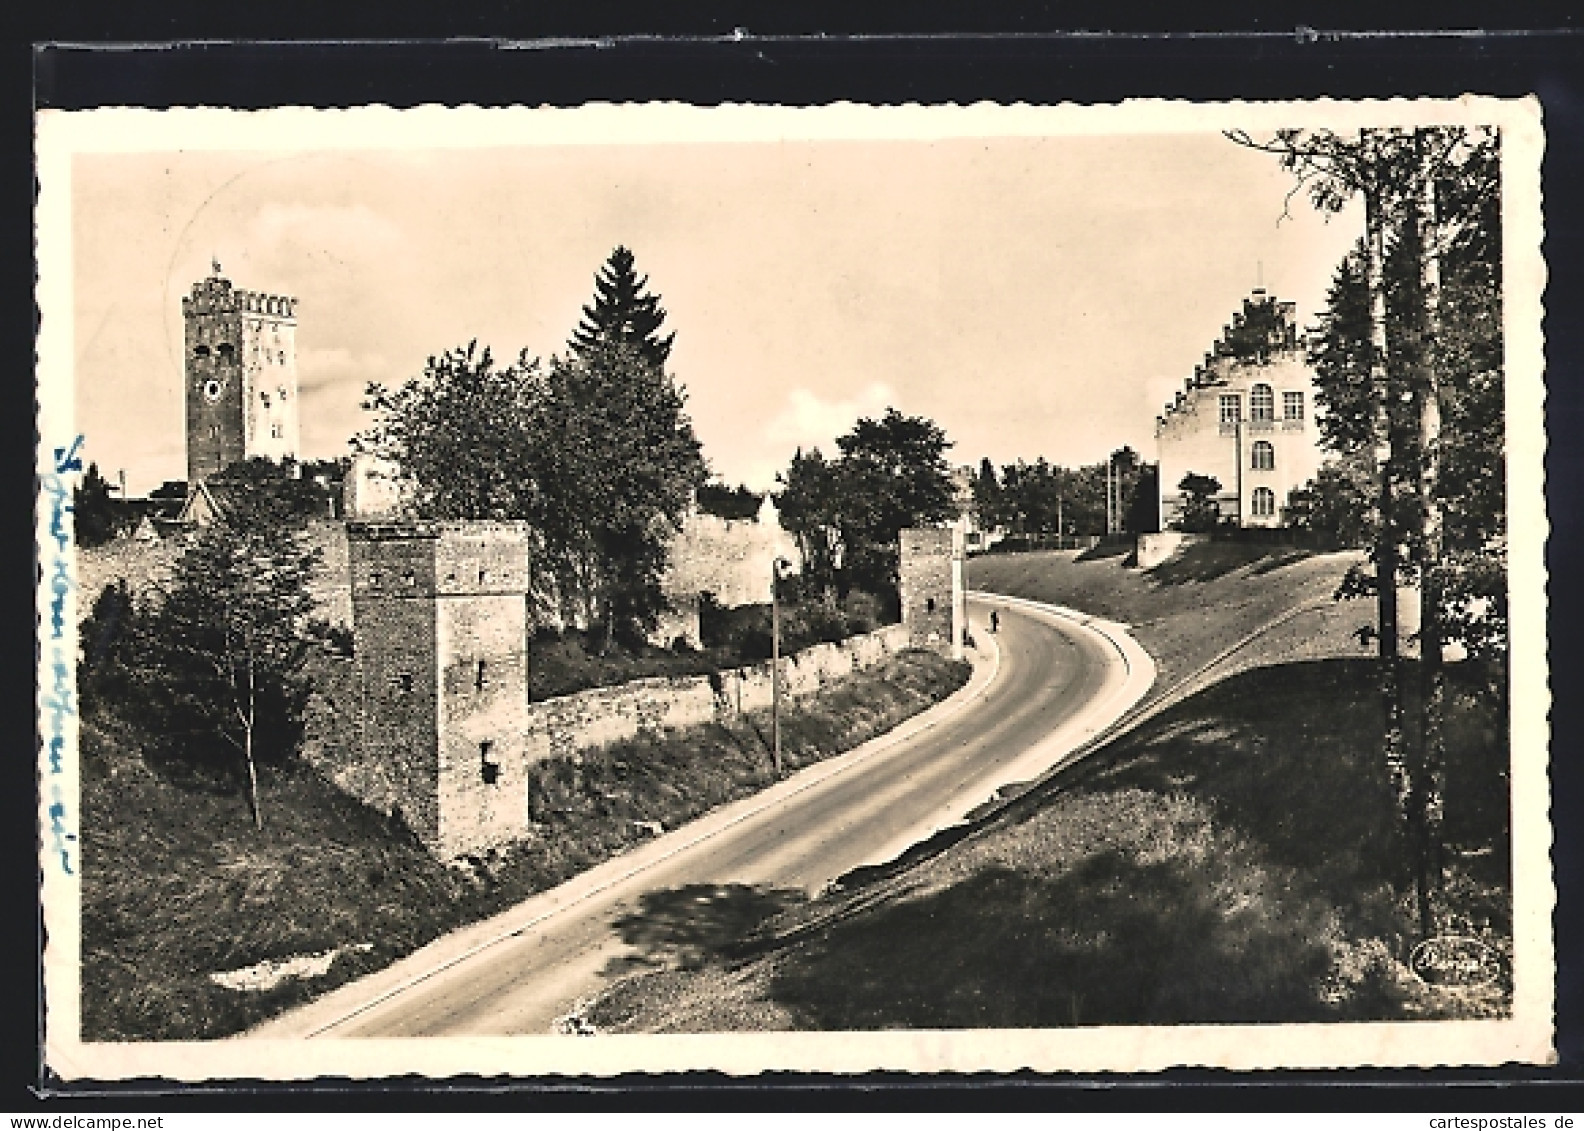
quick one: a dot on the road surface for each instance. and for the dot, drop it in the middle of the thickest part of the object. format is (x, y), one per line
(1042, 684)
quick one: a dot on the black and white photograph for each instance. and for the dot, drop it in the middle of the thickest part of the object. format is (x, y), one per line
(572, 591)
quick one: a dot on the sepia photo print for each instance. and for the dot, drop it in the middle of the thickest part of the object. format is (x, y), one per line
(560, 592)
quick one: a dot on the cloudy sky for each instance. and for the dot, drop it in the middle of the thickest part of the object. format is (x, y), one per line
(1035, 295)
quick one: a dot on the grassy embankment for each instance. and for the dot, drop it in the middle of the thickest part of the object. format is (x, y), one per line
(1234, 858)
(177, 885)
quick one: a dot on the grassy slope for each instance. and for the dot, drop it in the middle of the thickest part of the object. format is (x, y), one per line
(1231, 859)
(177, 884)
(1190, 609)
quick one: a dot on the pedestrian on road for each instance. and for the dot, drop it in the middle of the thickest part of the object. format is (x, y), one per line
(995, 621)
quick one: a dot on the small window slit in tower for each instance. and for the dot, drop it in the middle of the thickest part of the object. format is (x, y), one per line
(489, 769)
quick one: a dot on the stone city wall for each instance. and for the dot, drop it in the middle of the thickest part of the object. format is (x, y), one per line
(562, 726)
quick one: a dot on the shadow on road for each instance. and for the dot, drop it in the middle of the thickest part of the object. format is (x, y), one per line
(693, 925)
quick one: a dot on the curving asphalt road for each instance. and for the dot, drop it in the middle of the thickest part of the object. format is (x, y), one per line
(1055, 683)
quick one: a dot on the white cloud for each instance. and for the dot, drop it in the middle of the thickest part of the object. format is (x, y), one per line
(808, 421)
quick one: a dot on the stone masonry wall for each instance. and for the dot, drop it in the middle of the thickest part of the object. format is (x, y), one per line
(730, 559)
(440, 634)
(394, 768)
(483, 716)
(930, 585)
(562, 726)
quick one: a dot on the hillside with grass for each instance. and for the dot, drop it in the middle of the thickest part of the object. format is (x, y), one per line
(1232, 856)
(1212, 610)
(195, 925)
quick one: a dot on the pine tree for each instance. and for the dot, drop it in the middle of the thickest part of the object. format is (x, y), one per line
(93, 512)
(623, 312)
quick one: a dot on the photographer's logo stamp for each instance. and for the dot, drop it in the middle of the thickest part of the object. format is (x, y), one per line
(1455, 962)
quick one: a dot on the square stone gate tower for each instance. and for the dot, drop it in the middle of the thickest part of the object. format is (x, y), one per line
(931, 583)
(439, 616)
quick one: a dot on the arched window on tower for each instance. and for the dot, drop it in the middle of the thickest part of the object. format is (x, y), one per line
(1262, 403)
(1263, 456)
(226, 351)
(1264, 502)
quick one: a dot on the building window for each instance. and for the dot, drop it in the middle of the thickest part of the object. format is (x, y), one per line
(1262, 403)
(1231, 408)
(929, 604)
(489, 769)
(1292, 406)
(478, 677)
(405, 682)
(1264, 502)
(1263, 456)
(200, 351)
(275, 431)
(226, 351)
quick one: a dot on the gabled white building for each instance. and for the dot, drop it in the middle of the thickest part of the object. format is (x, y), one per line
(1245, 417)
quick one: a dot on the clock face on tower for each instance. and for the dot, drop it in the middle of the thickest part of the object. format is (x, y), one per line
(212, 390)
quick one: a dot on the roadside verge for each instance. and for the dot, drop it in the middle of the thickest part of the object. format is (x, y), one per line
(356, 997)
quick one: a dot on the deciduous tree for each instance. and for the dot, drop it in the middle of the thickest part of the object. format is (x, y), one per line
(218, 670)
(463, 432)
(617, 464)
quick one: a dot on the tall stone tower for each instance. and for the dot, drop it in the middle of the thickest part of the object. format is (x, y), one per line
(241, 375)
(439, 624)
(930, 575)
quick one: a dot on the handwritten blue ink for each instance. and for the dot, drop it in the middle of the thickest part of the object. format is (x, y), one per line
(57, 813)
(67, 459)
(60, 702)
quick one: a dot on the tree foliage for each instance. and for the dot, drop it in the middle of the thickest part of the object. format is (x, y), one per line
(733, 503)
(623, 312)
(1337, 505)
(463, 432)
(1467, 354)
(95, 517)
(1409, 361)
(277, 488)
(1039, 497)
(616, 463)
(847, 513)
(211, 665)
(1200, 512)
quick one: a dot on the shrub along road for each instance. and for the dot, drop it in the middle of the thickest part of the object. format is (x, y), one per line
(522, 971)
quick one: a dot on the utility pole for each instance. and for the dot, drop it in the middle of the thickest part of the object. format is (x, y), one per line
(1108, 494)
(775, 661)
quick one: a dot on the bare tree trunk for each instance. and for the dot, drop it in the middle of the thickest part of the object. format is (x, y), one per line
(1386, 540)
(247, 753)
(1431, 777)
